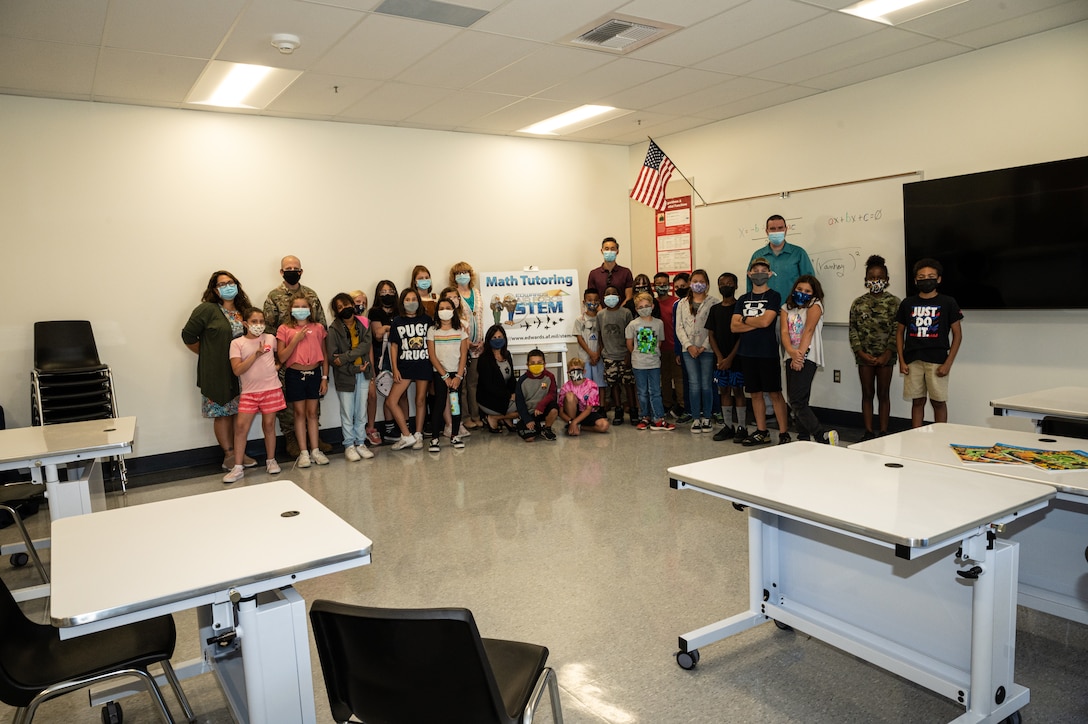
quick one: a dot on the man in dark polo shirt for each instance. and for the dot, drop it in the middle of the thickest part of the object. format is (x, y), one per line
(611, 274)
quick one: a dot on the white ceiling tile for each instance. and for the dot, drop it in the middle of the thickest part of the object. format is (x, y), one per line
(968, 16)
(349, 4)
(47, 67)
(684, 14)
(620, 74)
(659, 90)
(1055, 17)
(929, 53)
(194, 28)
(546, 67)
(518, 115)
(325, 95)
(749, 24)
(849, 54)
(693, 104)
(631, 123)
(394, 102)
(674, 125)
(136, 77)
(776, 97)
(61, 21)
(543, 20)
(695, 44)
(381, 47)
(466, 59)
(460, 109)
(318, 27)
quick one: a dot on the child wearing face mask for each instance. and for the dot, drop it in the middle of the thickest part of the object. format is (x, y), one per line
(612, 320)
(411, 365)
(642, 286)
(381, 317)
(447, 347)
(872, 338)
(421, 282)
(643, 336)
(579, 400)
(351, 354)
(802, 334)
(727, 375)
(253, 360)
(587, 332)
(535, 397)
(301, 349)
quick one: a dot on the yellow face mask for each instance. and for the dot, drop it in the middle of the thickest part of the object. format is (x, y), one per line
(536, 369)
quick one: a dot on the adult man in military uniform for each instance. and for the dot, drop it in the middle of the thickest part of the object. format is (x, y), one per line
(277, 310)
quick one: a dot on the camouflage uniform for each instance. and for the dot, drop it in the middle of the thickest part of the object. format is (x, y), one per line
(277, 310)
(872, 325)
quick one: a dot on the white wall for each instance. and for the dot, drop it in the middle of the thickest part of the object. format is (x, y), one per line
(1017, 103)
(119, 214)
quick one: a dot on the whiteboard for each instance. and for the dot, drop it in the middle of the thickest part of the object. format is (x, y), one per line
(839, 227)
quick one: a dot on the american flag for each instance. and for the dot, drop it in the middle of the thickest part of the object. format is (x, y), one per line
(651, 182)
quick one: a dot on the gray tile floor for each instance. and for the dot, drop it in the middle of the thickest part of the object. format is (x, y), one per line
(580, 545)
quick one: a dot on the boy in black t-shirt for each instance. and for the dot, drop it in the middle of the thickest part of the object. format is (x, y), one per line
(925, 322)
(727, 375)
(753, 320)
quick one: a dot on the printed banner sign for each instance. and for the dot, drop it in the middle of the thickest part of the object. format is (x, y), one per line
(673, 232)
(533, 306)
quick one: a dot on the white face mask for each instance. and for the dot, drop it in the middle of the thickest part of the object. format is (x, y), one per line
(256, 329)
(445, 314)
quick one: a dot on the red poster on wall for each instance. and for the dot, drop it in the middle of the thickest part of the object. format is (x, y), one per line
(673, 232)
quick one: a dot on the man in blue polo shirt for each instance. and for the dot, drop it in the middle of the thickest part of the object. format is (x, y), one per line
(788, 261)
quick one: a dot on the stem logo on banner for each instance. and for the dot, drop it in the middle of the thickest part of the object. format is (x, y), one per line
(533, 306)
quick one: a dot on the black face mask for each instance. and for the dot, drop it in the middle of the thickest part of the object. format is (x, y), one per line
(681, 292)
(360, 309)
(642, 290)
(727, 291)
(346, 313)
(292, 277)
(387, 300)
(926, 285)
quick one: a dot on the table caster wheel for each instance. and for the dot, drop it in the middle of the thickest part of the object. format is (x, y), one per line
(1015, 718)
(783, 626)
(112, 714)
(740, 507)
(686, 660)
(18, 560)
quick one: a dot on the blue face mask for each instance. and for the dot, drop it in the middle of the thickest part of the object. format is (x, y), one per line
(228, 292)
(611, 300)
(300, 312)
(497, 342)
(463, 279)
(777, 237)
(423, 284)
(801, 298)
(610, 256)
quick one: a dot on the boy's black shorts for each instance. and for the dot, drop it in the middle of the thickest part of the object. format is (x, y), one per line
(761, 374)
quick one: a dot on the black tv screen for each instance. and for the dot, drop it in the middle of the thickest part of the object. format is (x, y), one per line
(1010, 239)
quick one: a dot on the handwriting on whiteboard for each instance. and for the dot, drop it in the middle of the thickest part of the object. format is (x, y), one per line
(836, 262)
(856, 217)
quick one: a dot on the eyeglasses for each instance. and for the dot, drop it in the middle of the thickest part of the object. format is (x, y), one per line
(220, 285)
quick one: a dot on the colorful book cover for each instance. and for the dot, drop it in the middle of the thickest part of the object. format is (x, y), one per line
(986, 455)
(1049, 460)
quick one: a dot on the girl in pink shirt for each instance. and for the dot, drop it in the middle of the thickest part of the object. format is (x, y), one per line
(253, 360)
(302, 351)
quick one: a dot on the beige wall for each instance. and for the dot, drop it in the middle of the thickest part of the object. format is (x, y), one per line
(119, 214)
(1018, 103)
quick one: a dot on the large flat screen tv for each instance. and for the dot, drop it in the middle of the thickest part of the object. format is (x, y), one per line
(1010, 239)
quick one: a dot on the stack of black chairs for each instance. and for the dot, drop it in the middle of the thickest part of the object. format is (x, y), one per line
(69, 383)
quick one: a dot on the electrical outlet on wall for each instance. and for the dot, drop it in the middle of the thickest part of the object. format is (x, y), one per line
(838, 376)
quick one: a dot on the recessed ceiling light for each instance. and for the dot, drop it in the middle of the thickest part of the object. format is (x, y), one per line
(896, 12)
(574, 120)
(240, 85)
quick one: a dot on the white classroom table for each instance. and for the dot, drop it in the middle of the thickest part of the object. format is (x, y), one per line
(43, 449)
(234, 555)
(1067, 403)
(868, 555)
(1053, 542)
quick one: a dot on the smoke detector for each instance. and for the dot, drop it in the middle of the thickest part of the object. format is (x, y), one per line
(286, 43)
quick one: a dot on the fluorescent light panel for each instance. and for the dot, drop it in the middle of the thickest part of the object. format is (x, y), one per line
(239, 85)
(897, 12)
(574, 120)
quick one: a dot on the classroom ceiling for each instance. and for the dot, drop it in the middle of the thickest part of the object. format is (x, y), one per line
(508, 69)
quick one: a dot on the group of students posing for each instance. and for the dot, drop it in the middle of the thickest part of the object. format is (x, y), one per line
(739, 344)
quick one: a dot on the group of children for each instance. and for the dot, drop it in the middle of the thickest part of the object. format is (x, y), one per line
(739, 345)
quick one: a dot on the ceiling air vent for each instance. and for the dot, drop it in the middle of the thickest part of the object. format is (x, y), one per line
(619, 34)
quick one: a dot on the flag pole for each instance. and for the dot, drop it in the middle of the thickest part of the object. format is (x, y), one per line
(683, 176)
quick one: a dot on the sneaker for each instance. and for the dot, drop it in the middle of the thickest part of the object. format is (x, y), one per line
(741, 435)
(446, 431)
(548, 433)
(352, 454)
(869, 435)
(248, 462)
(831, 437)
(364, 452)
(784, 438)
(684, 419)
(458, 443)
(662, 425)
(374, 436)
(618, 419)
(434, 447)
(303, 460)
(404, 442)
(643, 424)
(718, 418)
(417, 441)
(272, 467)
(726, 433)
(759, 437)
(696, 427)
(707, 427)
(464, 431)
(319, 457)
(236, 473)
